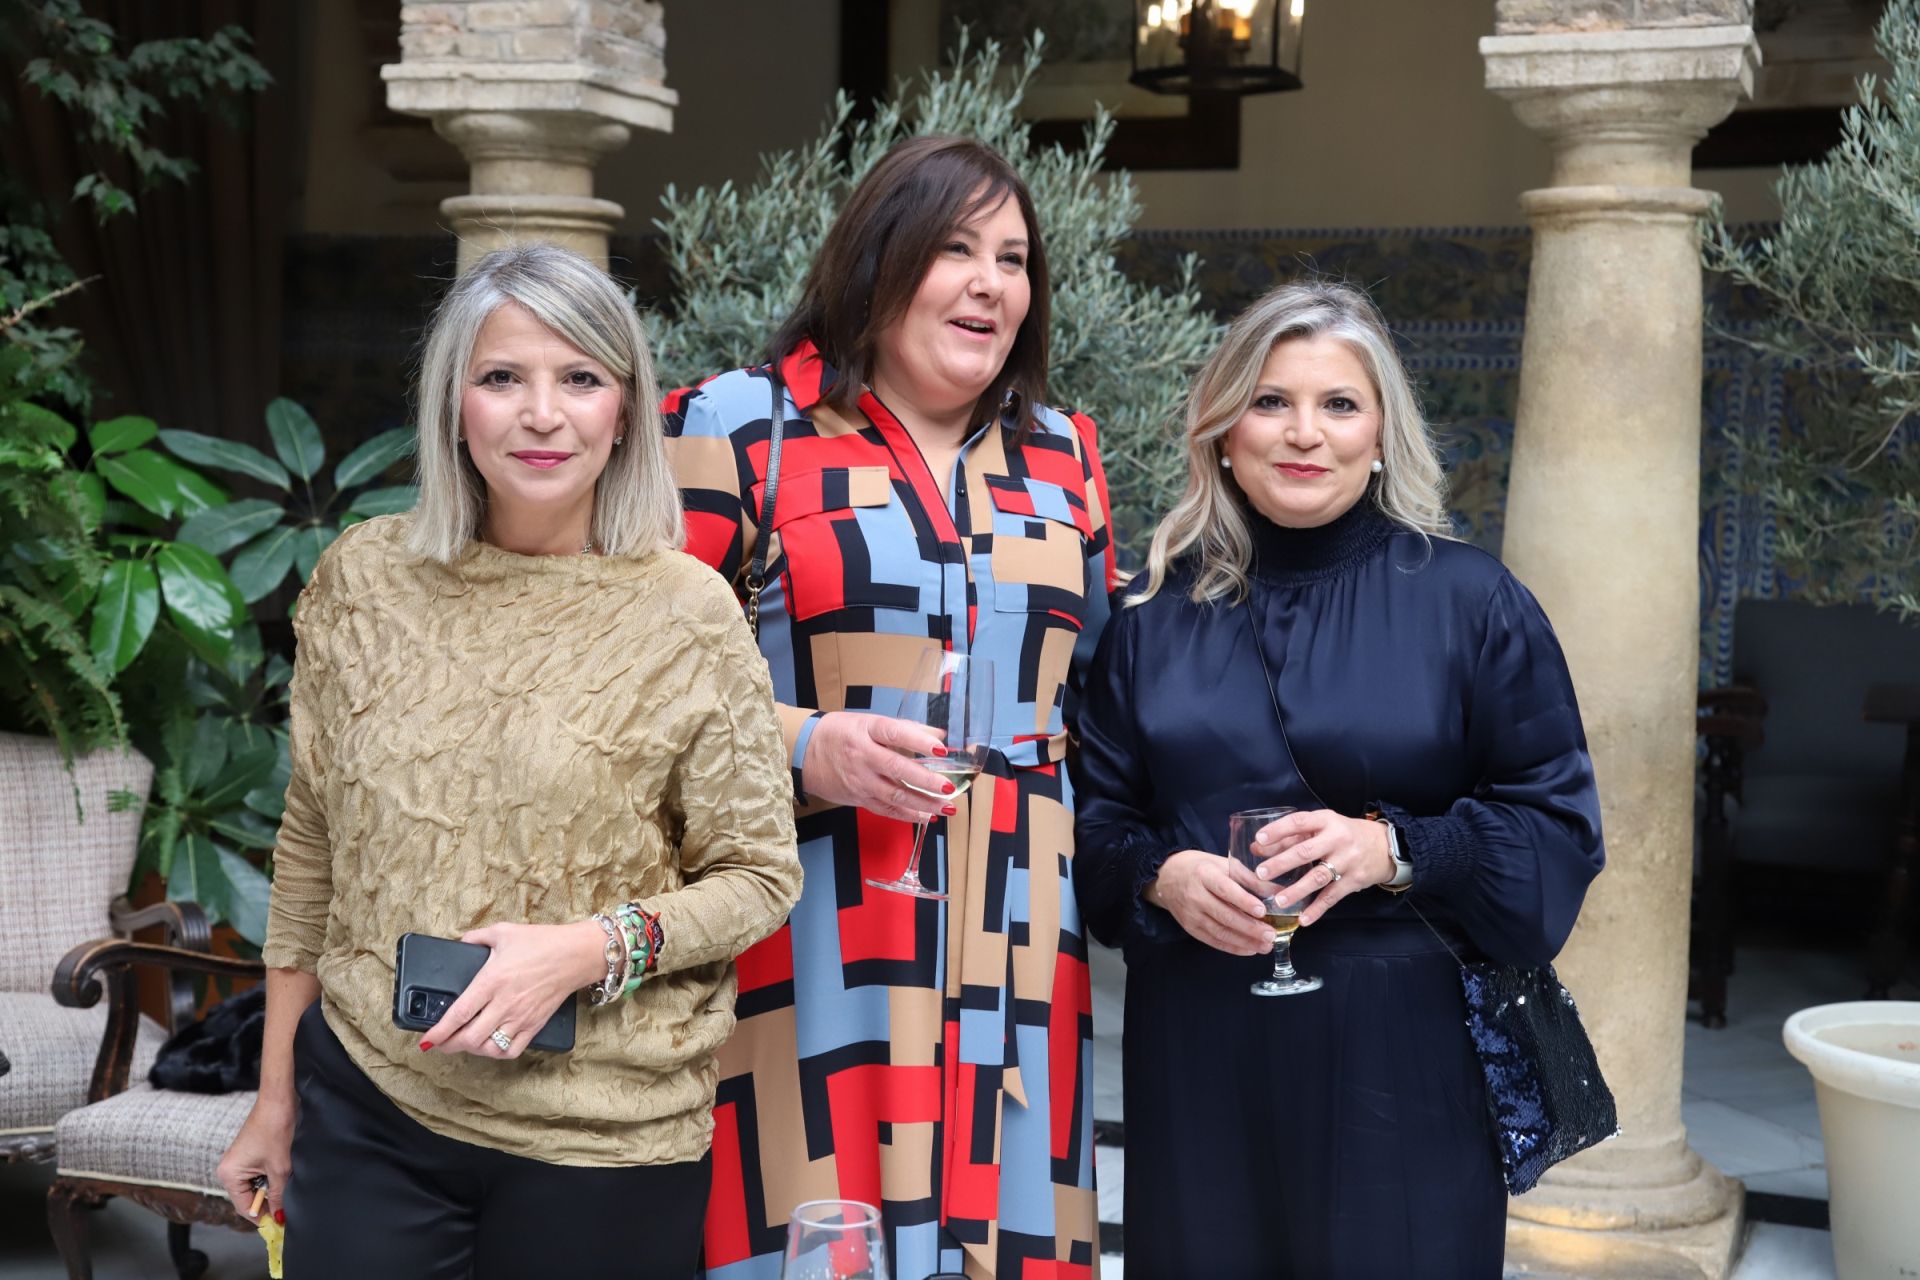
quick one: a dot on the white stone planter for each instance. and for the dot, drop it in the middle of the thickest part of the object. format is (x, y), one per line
(1865, 1060)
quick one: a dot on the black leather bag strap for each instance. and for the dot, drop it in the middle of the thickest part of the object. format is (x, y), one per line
(1252, 601)
(757, 568)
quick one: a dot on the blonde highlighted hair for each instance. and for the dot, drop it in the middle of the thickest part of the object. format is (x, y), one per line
(636, 504)
(1211, 515)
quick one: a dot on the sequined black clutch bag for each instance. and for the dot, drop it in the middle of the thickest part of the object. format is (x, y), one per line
(1545, 1095)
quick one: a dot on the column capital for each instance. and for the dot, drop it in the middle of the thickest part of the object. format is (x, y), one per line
(532, 178)
(571, 139)
(1623, 107)
(534, 93)
(591, 57)
(439, 89)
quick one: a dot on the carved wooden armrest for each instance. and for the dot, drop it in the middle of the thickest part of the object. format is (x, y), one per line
(185, 923)
(107, 965)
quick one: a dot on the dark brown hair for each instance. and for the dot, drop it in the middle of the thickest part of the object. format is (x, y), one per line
(879, 250)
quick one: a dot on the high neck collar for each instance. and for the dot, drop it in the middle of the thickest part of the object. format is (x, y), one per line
(482, 561)
(1287, 557)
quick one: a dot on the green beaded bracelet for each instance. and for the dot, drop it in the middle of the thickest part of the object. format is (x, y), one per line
(639, 946)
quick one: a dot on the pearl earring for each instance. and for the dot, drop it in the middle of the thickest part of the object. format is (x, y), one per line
(619, 439)
(1226, 462)
(1378, 466)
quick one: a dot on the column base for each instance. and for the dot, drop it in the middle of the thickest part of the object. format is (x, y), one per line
(1592, 1232)
(484, 222)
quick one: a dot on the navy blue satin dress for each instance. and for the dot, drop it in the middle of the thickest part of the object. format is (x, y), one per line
(1342, 1133)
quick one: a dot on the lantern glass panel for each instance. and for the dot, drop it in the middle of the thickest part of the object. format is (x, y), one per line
(1220, 46)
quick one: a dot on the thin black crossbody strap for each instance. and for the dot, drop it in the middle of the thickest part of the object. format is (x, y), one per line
(1273, 695)
(757, 568)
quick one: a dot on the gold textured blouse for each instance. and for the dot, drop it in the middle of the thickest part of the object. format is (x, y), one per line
(532, 738)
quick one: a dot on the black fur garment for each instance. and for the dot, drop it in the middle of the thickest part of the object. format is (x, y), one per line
(218, 1054)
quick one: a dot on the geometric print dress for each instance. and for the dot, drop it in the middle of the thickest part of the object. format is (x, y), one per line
(931, 1058)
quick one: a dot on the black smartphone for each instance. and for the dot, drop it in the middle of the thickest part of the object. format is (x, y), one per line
(429, 974)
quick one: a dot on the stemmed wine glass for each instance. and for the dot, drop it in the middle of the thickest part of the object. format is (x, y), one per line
(952, 694)
(1285, 918)
(835, 1240)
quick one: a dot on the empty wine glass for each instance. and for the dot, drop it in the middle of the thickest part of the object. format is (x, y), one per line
(1283, 915)
(951, 694)
(835, 1240)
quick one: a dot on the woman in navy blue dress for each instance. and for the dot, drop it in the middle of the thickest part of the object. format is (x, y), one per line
(1407, 696)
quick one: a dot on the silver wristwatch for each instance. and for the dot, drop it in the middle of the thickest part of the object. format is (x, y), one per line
(1402, 868)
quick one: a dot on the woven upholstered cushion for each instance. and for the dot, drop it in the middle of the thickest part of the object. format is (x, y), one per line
(152, 1136)
(52, 1050)
(63, 858)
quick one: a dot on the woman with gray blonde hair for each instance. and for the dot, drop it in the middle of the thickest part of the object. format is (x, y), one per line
(524, 721)
(1308, 638)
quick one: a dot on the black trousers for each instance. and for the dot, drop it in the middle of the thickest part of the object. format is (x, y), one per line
(1337, 1135)
(375, 1194)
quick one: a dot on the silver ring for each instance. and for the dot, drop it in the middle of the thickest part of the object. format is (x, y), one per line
(1331, 872)
(502, 1041)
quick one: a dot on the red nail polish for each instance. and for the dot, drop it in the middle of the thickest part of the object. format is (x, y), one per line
(939, 751)
(280, 1216)
(425, 1045)
(947, 787)
(949, 810)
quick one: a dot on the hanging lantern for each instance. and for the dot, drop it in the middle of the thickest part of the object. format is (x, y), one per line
(1217, 46)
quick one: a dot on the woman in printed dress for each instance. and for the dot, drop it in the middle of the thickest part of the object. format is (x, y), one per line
(932, 1058)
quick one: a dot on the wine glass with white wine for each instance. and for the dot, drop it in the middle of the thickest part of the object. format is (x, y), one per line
(952, 694)
(1283, 913)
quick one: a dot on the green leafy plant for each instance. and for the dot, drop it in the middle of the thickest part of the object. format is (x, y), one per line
(274, 538)
(51, 567)
(145, 568)
(1122, 351)
(215, 723)
(89, 556)
(216, 732)
(110, 630)
(119, 621)
(1839, 279)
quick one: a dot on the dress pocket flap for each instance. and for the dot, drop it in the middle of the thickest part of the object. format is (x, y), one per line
(806, 493)
(1041, 499)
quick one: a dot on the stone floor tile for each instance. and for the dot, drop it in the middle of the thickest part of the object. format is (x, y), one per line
(1739, 1143)
(1785, 1253)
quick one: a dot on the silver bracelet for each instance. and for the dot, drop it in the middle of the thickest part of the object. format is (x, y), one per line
(610, 987)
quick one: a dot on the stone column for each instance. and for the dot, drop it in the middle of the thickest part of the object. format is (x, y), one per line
(1602, 522)
(533, 92)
